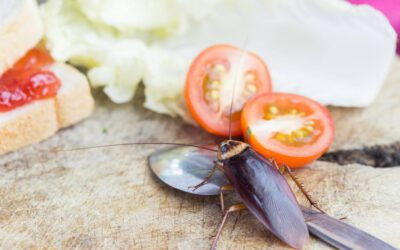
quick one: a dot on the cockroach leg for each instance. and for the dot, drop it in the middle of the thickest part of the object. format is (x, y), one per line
(210, 174)
(233, 208)
(284, 168)
(280, 169)
(221, 195)
(219, 166)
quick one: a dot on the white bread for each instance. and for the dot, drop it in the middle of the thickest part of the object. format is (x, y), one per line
(74, 101)
(20, 30)
(38, 120)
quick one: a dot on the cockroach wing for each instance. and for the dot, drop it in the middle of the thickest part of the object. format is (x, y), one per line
(268, 196)
(341, 235)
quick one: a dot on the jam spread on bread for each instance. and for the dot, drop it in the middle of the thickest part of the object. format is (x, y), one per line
(28, 80)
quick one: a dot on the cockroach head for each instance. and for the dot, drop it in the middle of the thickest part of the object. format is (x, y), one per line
(230, 148)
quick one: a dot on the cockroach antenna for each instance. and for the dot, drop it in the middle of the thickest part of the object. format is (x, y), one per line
(136, 143)
(235, 79)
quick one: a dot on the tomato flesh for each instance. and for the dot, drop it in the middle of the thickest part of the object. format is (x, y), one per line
(28, 80)
(292, 129)
(214, 76)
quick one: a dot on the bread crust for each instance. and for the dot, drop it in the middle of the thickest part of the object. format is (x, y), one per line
(32, 123)
(39, 120)
(74, 101)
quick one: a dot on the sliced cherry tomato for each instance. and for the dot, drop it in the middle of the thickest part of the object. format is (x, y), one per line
(214, 75)
(291, 129)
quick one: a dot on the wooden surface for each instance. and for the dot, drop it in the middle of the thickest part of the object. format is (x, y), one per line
(107, 198)
(376, 124)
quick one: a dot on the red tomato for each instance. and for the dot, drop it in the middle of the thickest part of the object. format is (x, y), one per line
(214, 75)
(291, 129)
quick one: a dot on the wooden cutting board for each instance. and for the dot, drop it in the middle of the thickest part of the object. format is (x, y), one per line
(108, 198)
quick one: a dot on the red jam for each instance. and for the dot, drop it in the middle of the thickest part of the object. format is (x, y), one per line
(28, 80)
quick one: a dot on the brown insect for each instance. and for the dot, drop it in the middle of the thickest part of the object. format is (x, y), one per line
(263, 190)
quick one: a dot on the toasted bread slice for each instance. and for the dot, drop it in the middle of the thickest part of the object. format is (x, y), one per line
(40, 119)
(20, 30)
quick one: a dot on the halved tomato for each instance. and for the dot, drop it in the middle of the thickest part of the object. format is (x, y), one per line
(290, 128)
(214, 76)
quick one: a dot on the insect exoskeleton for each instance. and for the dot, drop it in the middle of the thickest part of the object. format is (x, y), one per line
(230, 148)
(263, 191)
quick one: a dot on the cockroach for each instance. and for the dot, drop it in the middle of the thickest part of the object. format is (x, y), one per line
(263, 190)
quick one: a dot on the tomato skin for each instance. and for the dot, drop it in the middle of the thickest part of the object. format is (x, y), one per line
(293, 156)
(194, 93)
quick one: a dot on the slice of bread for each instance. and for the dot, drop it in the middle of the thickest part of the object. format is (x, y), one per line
(74, 101)
(21, 29)
(38, 120)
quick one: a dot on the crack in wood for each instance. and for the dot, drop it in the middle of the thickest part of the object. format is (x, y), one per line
(379, 156)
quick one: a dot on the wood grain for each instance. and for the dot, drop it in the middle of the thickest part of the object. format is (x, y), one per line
(107, 198)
